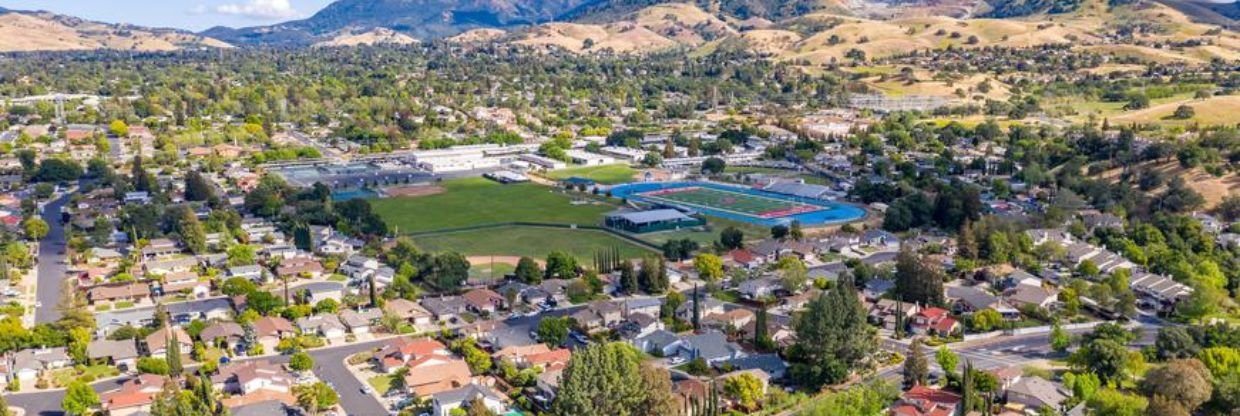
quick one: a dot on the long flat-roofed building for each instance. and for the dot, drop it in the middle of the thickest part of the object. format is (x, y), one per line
(653, 220)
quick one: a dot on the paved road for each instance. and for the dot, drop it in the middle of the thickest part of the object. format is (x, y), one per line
(1004, 351)
(51, 266)
(329, 367)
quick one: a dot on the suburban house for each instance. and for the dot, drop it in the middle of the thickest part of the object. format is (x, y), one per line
(1032, 296)
(484, 301)
(228, 334)
(409, 311)
(269, 330)
(134, 397)
(760, 288)
(935, 321)
(443, 403)
(326, 325)
(26, 365)
(661, 343)
(399, 351)
(436, 373)
(926, 401)
(121, 353)
(712, 347)
(316, 292)
(1036, 393)
(252, 376)
(128, 292)
(359, 322)
(445, 308)
(157, 343)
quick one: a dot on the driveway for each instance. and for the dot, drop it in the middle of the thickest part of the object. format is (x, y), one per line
(51, 266)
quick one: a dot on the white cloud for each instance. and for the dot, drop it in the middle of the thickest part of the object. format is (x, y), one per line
(262, 9)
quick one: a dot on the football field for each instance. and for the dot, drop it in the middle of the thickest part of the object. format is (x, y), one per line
(728, 201)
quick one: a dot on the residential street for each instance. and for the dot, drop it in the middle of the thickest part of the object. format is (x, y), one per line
(51, 266)
(329, 366)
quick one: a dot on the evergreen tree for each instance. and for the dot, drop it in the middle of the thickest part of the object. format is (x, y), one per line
(697, 310)
(174, 354)
(197, 188)
(916, 280)
(608, 379)
(967, 393)
(916, 369)
(628, 278)
(374, 292)
(833, 337)
(141, 179)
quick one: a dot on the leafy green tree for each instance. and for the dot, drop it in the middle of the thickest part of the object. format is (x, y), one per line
(1112, 402)
(528, 271)
(744, 389)
(79, 399)
(1175, 342)
(119, 128)
(300, 361)
(1060, 341)
(731, 238)
(916, 280)
(313, 398)
(986, 320)
(1110, 360)
(870, 399)
(561, 265)
(554, 331)
(35, 228)
(1185, 382)
(606, 379)
(173, 356)
(947, 359)
(197, 188)
(833, 337)
(916, 370)
(709, 267)
(1083, 385)
(448, 271)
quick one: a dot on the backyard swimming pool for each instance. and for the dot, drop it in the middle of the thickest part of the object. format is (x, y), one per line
(740, 203)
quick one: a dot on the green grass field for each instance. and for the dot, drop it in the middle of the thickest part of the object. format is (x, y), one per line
(475, 201)
(724, 200)
(488, 271)
(604, 174)
(529, 241)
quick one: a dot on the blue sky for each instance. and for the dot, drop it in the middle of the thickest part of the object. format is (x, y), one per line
(184, 14)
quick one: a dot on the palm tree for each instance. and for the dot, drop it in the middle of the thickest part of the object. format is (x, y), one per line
(308, 399)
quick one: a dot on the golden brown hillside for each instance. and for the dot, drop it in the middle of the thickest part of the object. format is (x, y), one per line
(371, 37)
(44, 31)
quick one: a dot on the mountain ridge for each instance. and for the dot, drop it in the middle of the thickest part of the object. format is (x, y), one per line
(26, 31)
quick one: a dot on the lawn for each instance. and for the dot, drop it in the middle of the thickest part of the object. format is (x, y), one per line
(529, 241)
(707, 237)
(489, 271)
(603, 174)
(477, 201)
(64, 376)
(381, 383)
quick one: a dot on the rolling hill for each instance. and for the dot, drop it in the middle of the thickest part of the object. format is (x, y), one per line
(22, 31)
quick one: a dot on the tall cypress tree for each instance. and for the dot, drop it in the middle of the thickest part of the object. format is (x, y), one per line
(174, 353)
(966, 384)
(374, 293)
(697, 310)
(628, 278)
(916, 369)
(759, 330)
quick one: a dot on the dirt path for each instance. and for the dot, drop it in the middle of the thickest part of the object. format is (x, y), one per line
(485, 260)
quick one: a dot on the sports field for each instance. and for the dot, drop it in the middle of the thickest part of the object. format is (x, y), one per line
(535, 242)
(723, 200)
(475, 201)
